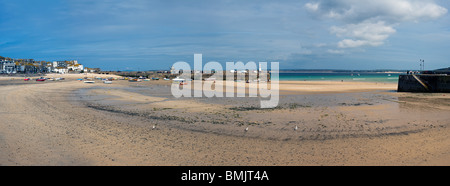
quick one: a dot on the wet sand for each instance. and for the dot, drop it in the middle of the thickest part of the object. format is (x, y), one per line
(338, 123)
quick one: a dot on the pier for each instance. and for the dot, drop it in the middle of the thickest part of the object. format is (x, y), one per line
(427, 81)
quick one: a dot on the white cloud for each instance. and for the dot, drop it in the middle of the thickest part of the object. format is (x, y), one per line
(331, 51)
(385, 10)
(312, 6)
(364, 34)
(348, 43)
(370, 23)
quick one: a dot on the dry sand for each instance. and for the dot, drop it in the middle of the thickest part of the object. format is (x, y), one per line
(73, 123)
(294, 87)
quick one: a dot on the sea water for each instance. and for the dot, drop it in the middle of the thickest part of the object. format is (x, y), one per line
(347, 77)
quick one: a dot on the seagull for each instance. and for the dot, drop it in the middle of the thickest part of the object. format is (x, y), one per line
(246, 129)
(154, 127)
(296, 127)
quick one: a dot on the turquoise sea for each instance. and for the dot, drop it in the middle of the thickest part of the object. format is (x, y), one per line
(352, 77)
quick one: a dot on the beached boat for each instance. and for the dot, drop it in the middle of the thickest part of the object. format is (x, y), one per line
(40, 79)
(155, 78)
(27, 79)
(89, 81)
(178, 79)
(107, 82)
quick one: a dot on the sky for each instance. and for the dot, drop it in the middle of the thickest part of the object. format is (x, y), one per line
(299, 34)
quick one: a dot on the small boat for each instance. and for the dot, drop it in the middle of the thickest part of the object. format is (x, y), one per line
(107, 82)
(166, 79)
(133, 80)
(183, 83)
(89, 81)
(178, 79)
(27, 79)
(155, 78)
(80, 79)
(40, 79)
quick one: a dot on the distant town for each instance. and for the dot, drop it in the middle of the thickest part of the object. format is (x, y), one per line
(30, 66)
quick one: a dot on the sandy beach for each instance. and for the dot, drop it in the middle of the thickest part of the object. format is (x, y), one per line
(140, 123)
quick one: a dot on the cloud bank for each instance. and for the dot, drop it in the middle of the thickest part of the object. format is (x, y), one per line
(370, 23)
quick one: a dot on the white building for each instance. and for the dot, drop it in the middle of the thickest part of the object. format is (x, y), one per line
(8, 67)
(61, 70)
(64, 67)
(173, 71)
(75, 67)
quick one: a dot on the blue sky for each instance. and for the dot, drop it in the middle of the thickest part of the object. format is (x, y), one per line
(300, 34)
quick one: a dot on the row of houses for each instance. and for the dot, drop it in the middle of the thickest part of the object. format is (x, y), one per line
(30, 66)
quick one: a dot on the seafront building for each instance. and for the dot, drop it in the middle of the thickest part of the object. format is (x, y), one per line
(64, 67)
(30, 66)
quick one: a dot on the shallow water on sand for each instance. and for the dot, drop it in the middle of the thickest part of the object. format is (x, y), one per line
(317, 116)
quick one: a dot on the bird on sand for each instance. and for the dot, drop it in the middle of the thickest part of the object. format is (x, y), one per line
(246, 129)
(296, 127)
